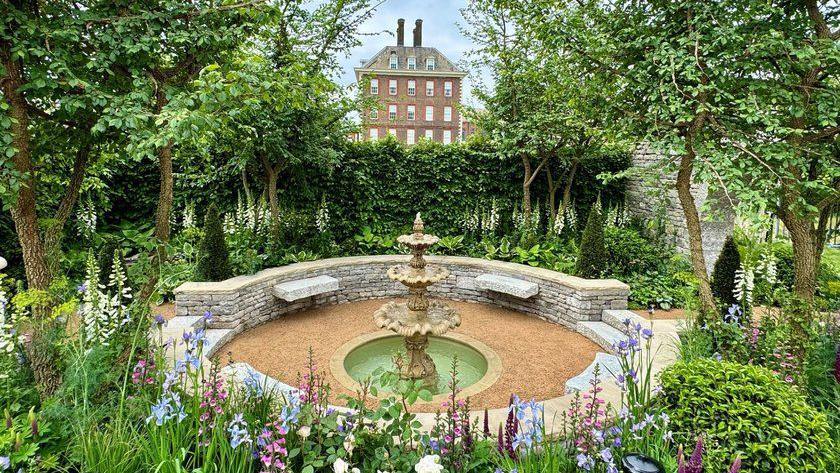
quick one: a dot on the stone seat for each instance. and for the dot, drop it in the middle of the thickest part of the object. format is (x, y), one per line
(290, 291)
(507, 285)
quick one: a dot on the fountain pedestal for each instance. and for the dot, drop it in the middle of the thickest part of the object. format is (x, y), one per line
(419, 317)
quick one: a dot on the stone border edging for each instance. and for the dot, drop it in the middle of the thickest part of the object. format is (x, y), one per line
(247, 301)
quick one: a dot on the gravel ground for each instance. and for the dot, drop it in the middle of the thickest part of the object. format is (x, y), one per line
(537, 356)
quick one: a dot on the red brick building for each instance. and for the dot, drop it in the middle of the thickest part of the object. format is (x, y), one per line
(418, 91)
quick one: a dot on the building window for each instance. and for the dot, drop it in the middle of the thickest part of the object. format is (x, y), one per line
(430, 88)
(409, 136)
(447, 137)
(392, 112)
(412, 87)
(447, 89)
(411, 112)
(392, 86)
(374, 86)
(430, 64)
(447, 114)
(392, 132)
(394, 62)
(374, 113)
(430, 134)
(412, 63)
(430, 113)
(374, 134)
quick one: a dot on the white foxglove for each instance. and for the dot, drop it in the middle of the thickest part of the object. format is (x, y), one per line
(744, 285)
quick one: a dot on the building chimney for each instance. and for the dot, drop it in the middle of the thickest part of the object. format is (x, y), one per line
(400, 32)
(418, 33)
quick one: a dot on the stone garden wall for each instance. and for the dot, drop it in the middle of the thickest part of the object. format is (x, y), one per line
(653, 196)
(246, 301)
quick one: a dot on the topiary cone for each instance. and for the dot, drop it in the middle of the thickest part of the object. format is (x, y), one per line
(723, 274)
(592, 258)
(213, 259)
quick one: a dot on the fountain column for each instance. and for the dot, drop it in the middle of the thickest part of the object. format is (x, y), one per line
(419, 317)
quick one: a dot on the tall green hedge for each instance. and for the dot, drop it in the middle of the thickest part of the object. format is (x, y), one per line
(383, 184)
(213, 262)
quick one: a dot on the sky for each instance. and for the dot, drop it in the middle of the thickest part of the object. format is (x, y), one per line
(440, 30)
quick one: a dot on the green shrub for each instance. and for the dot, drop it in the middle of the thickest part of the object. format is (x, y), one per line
(723, 274)
(631, 253)
(592, 259)
(213, 262)
(746, 411)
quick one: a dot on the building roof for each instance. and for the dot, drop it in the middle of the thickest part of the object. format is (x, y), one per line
(379, 62)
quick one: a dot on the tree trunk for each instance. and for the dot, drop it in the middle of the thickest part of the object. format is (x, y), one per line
(552, 195)
(807, 254)
(245, 185)
(24, 210)
(55, 231)
(271, 189)
(271, 175)
(25, 218)
(526, 188)
(162, 218)
(567, 188)
(695, 236)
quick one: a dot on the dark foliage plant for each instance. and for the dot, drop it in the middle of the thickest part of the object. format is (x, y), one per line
(106, 259)
(723, 274)
(746, 411)
(213, 259)
(592, 260)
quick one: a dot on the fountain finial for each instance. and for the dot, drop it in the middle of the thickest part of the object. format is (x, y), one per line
(418, 224)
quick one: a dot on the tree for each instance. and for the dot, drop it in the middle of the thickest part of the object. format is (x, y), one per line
(213, 258)
(290, 113)
(592, 257)
(723, 274)
(77, 75)
(741, 95)
(539, 111)
(667, 71)
(777, 133)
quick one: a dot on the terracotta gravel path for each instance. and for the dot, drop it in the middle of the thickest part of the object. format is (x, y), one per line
(537, 356)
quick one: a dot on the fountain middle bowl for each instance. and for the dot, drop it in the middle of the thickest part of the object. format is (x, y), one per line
(478, 365)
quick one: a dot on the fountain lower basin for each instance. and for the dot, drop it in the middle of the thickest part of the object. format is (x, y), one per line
(478, 365)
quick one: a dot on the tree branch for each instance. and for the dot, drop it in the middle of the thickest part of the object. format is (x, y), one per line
(192, 14)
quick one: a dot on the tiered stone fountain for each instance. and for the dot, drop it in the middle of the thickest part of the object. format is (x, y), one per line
(419, 317)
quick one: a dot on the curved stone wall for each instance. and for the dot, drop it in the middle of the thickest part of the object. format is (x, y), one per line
(246, 301)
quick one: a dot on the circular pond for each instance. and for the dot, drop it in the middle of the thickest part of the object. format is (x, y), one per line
(363, 360)
(478, 365)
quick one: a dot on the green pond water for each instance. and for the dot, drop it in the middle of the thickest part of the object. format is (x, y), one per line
(365, 359)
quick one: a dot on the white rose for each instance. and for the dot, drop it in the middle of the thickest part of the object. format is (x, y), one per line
(304, 431)
(349, 443)
(429, 464)
(341, 466)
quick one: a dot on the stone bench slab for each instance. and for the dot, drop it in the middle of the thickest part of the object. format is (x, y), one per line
(302, 288)
(507, 285)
